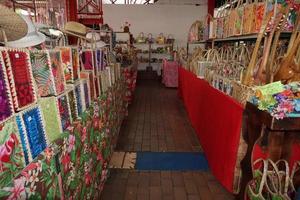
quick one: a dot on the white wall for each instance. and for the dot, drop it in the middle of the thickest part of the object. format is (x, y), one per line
(168, 19)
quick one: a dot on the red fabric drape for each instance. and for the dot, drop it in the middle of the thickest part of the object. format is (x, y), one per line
(217, 119)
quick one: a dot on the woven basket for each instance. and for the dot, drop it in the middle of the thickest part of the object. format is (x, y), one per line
(241, 93)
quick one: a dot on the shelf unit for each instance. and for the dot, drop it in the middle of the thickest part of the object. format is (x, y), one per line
(250, 37)
(152, 54)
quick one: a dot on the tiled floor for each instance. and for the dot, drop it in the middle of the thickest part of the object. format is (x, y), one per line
(157, 121)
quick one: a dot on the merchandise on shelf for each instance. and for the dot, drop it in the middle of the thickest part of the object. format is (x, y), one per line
(42, 73)
(57, 71)
(278, 99)
(6, 104)
(32, 130)
(19, 73)
(53, 124)
(241, 18)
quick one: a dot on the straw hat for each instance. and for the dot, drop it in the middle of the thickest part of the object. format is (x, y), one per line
(12, 24)
(76, 28)
(32, 38)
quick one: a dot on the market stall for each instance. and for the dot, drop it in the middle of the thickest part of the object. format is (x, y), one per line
(61, 112)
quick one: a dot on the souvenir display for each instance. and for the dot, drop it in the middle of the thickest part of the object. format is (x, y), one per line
(20, 77)
(67, 63)
(279, 100)
(73, 104)
(160, 39)
(76, 63)
(6, 104)
(57, 127)
(12, 155)
(64, 111)
(87, 60)
(99, 60)
(243, 18)
(39, 180)
(141, 38)
(50, 110)
(57, 71)
(32, 131)
(41, 68)
(195, 33)
(89, 76)
(79, 99)
(85, 94)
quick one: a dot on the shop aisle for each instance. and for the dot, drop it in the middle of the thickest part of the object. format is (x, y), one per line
(157, 122)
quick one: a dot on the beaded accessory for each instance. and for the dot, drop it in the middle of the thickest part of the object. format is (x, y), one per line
(64, 111)
(79, 101)
(11, 152)
(19, 73)
(49, 107)
(6, 105)
(41, 68)
(73, 104)
(57, 71)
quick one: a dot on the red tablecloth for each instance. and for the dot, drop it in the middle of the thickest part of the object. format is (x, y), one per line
(217, 119)
(170, 73)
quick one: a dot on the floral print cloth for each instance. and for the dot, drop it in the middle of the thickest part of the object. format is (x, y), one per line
(74, 166)
(12, 159)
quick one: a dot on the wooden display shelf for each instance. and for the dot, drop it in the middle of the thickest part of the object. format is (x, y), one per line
(247, 37)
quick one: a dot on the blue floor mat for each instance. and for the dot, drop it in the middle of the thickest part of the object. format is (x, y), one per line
(171, 161)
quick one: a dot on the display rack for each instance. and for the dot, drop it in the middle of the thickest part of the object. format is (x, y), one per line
(250, 37)
(151, 47)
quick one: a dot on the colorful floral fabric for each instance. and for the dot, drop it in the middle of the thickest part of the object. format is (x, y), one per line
(282, 104)
(6, 105)
(20, 76)
(39, 180)
(41, 69)
(12, 159)
(57, 71)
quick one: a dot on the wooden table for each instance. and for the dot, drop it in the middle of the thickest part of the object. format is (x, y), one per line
(274, 136)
